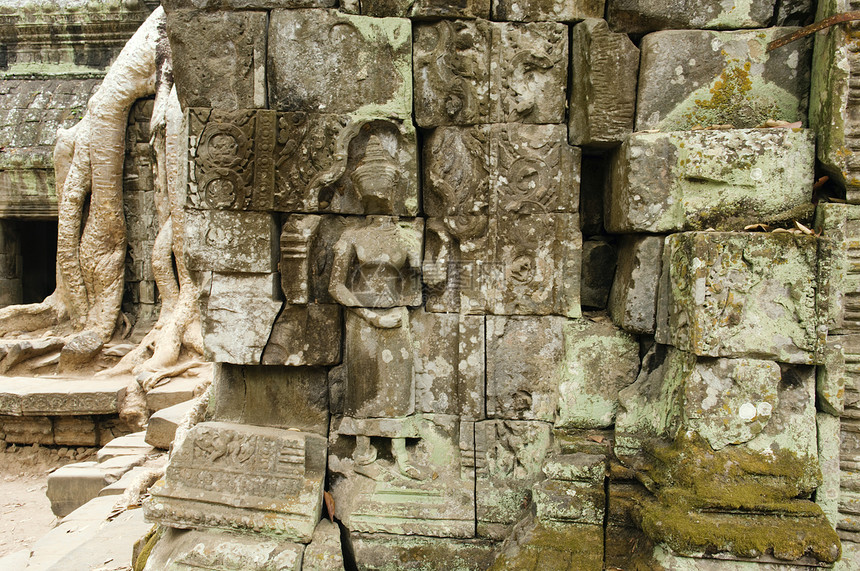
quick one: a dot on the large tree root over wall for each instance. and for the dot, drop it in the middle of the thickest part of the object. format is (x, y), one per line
(91, 242)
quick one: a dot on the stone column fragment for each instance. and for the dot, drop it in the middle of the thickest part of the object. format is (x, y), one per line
(604, 70)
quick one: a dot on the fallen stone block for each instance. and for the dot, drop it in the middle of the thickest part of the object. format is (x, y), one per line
(174, 391)
(73, 485)
(726, 180)
(633, 298)
(129, 445)
(698, 77)
(162, 425)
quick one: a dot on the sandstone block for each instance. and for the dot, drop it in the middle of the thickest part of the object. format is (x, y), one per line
(734, 295)
(238, 312)
(207, 548)
(604, 70)
(231, 476)
(376, 552)
(506, 265)
(633, 297)
(173, 392)
(578, 467)
(827, 495)
(423, 9)
(509, 456)
(71, 396)
(224, 241)
(260, 159)
(561, 545)
(552, 10)
(599, 361)
(570, 502)
(496, 169)
(834, 85)
(162, 425)
(664, 182)
(75, 431)
(305, 335)
(697, 77)
(73, 485)
(324, 552)
(368, 63)
(129, 445)
(220, 57)
(281, 397)
(523, 375)
(637, 16)
(473, 72)
(839, 278)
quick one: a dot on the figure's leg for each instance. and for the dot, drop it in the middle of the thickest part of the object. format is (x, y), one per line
(365, 458)
(398, 448)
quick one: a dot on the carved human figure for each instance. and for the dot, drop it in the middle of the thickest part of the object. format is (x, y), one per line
(370, 267)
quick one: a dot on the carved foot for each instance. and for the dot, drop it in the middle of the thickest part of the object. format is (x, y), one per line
(398, 448)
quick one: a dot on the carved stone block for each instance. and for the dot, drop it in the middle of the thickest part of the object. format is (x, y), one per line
(449, 363)
(423, 9)
(604, 71)
(696, 77)
(437, 500)
(227, 241)
(839, 289)
(337, 244)
(836, 68)
(736, 295)
(368, 63)
(663, 182)
(633, 297)
(301, 162)
(238, 311)
(599, 361)
(523, 375)
(513, 265)
(508, 168)
(376, 551)
(305, 335)
(570, 502)
(179, 549)
(552, 10)
(281, 397)
(637, 16)
(237, 476)
(471, 72)
(220, 56)
(508, 459)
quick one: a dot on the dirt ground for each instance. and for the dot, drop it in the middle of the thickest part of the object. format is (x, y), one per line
(25, 512)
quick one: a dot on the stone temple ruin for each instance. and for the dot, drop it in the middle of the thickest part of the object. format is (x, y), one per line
(486, 284)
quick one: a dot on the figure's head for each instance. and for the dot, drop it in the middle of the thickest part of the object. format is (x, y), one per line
(375, 178)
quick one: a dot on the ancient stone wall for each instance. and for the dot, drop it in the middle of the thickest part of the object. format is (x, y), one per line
(503, 284)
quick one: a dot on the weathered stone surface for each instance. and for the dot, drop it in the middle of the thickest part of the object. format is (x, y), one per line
(664, 182)
(633, 297)
(563, 546)
(368, 63)
(234, 476)
(735, 295)
(162, 425)
(695, 77)
(637, 16)
(497, 169)
(378, 552)
(508, 459)
(220, 57)
(827, 495)
(35, 396)
(570, 502)
(324, 552)
(302, 162)
(281, 397)
(238, 5)
(76, 431)
(604, 67)
(27, 429)
(337, 245)
(834, 85)
(129, 445)
(472, 72)
(599, 361)
(838, 276)
(173, 392)
(73, 485)
(428, 487)
(523, 372)
(224, 241)
(449, 363)
(80, 349)
(510, 265)
(553, 10)
(831, 376)
(422, 9)
(305, 335)
(180, 549)
(598, 270)
(238, 312)
(577, 467)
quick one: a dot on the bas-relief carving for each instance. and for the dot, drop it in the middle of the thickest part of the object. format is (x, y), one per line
(300, 162)
(471, 72)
